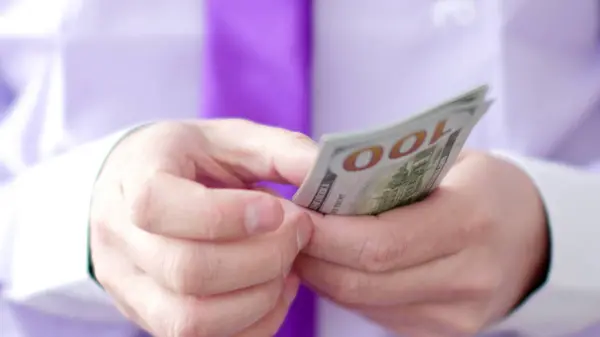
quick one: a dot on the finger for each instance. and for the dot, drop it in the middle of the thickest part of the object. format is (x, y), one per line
(230, 152)
(271, 323)
(206, 268)
(167, 205)
(397, 239)
(407, 320)
(112, 270)
(258, 152)
(435, 281)
(456, 319)
(164, 313)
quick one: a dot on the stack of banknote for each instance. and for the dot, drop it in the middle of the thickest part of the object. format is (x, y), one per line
(372, 172)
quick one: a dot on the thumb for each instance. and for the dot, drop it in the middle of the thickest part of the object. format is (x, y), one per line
(301, 221)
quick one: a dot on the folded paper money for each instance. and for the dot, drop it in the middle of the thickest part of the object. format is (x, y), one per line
(372, 172)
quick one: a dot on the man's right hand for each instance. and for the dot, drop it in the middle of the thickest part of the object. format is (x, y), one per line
(184, 241)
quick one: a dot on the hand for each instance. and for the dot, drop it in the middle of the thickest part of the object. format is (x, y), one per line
(447, 266)
(184, 241)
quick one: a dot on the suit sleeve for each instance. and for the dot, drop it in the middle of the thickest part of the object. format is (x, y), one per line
(45, 219)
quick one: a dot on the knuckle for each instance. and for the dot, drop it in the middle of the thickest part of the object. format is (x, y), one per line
(282, 256)
(380, 255)
(477, 283)
(299, 136)
(187, 275)
(483, 285)
(105, 277)
(102, 227)
(468, 325)
(102, 273)
(191, 322)
(349, 290)
(101, 234)
(141, 202)
(215, 221)
(102, 240)
(272, 296)
(478, 224)
(189, 328)
(240, 123)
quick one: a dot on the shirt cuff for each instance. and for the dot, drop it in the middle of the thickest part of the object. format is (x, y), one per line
(569, 300)
(49, 260)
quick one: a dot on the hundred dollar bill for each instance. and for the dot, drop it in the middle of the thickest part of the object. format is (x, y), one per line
(373, 172)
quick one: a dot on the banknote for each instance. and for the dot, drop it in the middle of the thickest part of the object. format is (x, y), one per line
(372, 172)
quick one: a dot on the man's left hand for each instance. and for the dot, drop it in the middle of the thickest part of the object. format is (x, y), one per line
(450, 265)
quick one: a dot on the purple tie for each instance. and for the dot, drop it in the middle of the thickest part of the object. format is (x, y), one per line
(258, 68)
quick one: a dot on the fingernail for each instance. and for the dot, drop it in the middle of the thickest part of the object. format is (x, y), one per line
(263, 216)
(304, 224)
(309, 147)
(304, 232)
(309, 144)
(290, 289)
